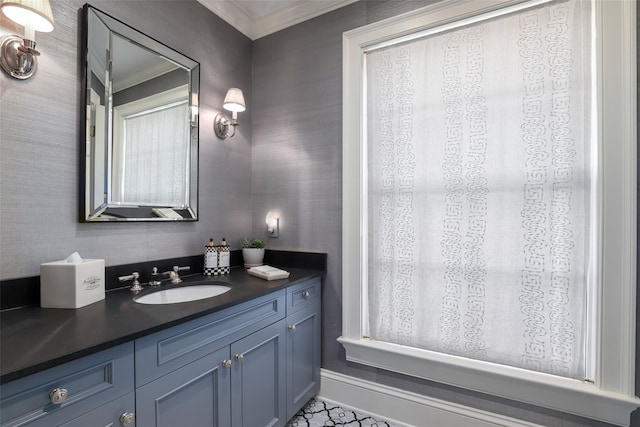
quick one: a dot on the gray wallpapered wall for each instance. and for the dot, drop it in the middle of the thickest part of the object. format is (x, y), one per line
(39, 144)
(286, 157)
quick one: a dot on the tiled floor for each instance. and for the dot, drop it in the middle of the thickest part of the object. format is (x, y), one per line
(319, 413)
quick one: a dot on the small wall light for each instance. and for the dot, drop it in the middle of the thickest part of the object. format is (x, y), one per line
(273, 224)
(18, 54)
(234, 102)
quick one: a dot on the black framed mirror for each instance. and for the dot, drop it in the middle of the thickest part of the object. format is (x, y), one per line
(139, 142)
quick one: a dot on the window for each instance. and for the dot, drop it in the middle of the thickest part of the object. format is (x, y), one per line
(413, 193)
(152, 170)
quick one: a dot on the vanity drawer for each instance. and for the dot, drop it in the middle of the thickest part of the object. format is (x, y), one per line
(303, 295)
(165, 351)
(89, 382)
(111, 414)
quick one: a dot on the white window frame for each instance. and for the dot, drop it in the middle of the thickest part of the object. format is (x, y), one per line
(611, 395)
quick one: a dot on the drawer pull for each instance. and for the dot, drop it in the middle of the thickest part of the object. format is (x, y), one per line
(127, 419)
(226, 363)
(239, 357)
(306, 294)
(58, 395)
(292, 327)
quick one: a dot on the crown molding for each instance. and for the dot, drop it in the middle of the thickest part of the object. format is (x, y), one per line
(300, 12)
(232, 14)
(274, 21)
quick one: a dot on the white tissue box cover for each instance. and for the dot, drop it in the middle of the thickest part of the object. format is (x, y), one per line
(71, 284)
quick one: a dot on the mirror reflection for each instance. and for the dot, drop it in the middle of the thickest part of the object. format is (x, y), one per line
(141, 135)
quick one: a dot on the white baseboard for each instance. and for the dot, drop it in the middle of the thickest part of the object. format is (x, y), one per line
(405, 408)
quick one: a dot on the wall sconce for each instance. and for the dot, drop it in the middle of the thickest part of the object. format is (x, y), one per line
(234, 102)
(18, 54)
(273, 224)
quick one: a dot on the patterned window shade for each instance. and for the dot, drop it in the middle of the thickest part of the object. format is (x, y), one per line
(480, 154)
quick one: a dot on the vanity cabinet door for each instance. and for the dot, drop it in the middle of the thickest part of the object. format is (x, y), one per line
(303, 357)
(196, 395)
(258, 378)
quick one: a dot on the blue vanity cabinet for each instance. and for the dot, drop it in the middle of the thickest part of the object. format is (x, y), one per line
(225, 369)
(63, 393)
(303, 344)
(240, 385)
(163, 352)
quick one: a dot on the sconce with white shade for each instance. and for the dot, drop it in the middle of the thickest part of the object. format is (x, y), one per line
(273, 224)
(234, 102)
(18, 54)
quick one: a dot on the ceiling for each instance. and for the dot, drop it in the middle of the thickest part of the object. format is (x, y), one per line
(258, 18)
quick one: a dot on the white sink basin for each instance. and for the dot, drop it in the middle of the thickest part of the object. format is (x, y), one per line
(184, 294)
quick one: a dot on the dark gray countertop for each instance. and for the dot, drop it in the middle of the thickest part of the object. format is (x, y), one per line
(33, 339)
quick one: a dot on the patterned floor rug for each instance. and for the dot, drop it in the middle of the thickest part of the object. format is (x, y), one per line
(319, 413)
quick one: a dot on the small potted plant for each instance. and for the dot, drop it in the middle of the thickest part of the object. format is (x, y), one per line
(252, 251)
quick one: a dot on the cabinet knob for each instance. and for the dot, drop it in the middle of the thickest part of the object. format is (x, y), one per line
(239, 357)
(127, 419)
(226, 363)
(306, 294)
(58, 395)
(292, 327)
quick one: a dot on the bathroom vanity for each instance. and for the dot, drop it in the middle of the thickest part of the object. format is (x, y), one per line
(249, 357)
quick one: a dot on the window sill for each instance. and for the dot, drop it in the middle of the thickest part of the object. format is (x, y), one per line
(561, 394)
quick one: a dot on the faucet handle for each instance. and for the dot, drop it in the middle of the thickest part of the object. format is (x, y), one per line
(135, 286)
(175, 277)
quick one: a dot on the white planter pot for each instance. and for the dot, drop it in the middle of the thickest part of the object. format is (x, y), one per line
(252, 256)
